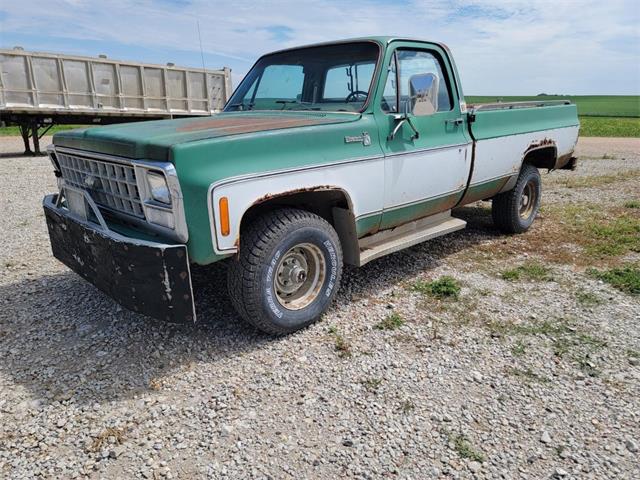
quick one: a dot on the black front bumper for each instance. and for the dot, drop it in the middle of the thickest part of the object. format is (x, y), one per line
(146, 277)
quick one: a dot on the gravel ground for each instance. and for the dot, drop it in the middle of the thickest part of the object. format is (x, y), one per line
(515, 379)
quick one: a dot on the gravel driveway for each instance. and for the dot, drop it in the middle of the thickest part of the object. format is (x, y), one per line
(521, 375)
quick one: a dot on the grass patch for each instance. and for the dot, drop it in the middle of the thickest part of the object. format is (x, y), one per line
(465, 449)
(13, 131)
(530, 271)
(392, 321)
(594, 181)
(444, 288)
(609, 127)
(626, 279)
(602, 233)
(632, 204)
(588, 299)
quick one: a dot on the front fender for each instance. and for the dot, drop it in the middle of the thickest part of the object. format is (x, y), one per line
(361, 181)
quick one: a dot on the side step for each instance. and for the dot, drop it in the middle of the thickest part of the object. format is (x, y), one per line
(407, 235)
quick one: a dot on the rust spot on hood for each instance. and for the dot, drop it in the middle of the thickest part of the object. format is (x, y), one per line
(250, 124)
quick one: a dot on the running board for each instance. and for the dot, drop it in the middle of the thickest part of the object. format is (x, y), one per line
(407, 235)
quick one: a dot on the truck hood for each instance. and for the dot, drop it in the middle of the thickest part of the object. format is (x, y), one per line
(153, 140)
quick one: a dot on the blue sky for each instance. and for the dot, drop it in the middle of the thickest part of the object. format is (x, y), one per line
(502, 47)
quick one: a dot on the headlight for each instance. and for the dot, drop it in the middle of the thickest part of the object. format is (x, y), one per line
(158, 188)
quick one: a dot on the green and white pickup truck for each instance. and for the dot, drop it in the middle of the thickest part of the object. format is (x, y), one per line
(326, 154)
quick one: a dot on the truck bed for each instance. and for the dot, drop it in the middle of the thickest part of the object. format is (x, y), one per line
(504, 133)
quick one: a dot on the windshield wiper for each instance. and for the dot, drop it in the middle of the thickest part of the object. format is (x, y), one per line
(249, 106)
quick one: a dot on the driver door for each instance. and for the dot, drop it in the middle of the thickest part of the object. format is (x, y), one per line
(428, 157)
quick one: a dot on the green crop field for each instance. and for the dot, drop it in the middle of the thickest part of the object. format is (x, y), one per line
(600, 115)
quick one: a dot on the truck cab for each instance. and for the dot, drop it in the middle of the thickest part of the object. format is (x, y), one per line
(324, 155)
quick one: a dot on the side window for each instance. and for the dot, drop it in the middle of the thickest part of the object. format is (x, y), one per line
(422, 83)
(346, 79)
(281, 82)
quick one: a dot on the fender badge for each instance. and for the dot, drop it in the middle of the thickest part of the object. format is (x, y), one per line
(365, 139)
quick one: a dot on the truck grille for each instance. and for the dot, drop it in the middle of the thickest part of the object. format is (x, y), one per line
(110, 185)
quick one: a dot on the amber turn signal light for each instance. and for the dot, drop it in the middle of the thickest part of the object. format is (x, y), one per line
(225, 228)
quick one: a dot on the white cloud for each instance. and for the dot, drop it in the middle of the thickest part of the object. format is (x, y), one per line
(501, 47)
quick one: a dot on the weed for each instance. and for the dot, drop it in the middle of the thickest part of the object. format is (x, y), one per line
(155, 384)
(633, 353)
(445, 287)
(407, 406)
(372, 384)
(527, 375)
(392, 321)
(100, 440)
(625, 279)
(632, 204)
(332, 329)
(588, 299)
(530, 271)
(519, 349)
(465, 449)
(342, 346)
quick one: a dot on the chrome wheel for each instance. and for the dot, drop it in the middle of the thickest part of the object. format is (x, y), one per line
(528, 200)
(300, 276)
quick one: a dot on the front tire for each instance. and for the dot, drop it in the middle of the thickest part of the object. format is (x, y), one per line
(288, 270)
(514, 211)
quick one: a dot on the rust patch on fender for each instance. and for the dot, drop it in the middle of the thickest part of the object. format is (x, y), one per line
(269, 196)
(545, 142)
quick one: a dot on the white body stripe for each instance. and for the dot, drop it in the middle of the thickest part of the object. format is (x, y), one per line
(413, 177)
(362, 181)
(501, 156)
(374, 184)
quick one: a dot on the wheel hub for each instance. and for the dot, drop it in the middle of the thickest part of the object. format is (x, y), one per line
(300, 276)
(528, 200)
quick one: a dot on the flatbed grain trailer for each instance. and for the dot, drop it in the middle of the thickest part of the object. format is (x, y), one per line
(39, 90)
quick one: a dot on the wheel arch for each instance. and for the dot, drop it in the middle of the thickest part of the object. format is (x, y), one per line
(332, 203)
(540, 154)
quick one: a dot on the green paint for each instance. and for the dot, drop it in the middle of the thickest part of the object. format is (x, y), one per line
(368, 224)
(500, 123)
(398, 216)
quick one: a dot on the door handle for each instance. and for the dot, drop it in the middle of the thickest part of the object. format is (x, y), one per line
(455, 121)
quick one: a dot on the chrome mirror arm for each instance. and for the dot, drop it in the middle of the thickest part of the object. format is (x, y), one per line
(401, 119)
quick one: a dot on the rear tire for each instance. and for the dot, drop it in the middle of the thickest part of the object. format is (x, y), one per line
(288, 270)
(514, 211)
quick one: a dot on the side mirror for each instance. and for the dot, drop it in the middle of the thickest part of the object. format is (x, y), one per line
(423, 94)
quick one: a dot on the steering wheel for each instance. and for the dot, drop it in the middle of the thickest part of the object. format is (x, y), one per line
(353, 95)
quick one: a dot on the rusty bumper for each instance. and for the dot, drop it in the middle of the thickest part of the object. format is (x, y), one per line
(146, 277)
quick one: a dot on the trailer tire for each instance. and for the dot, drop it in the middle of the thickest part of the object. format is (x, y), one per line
(287, 271)
(514, 211)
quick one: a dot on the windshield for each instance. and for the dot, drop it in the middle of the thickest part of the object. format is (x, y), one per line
(332, 77)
